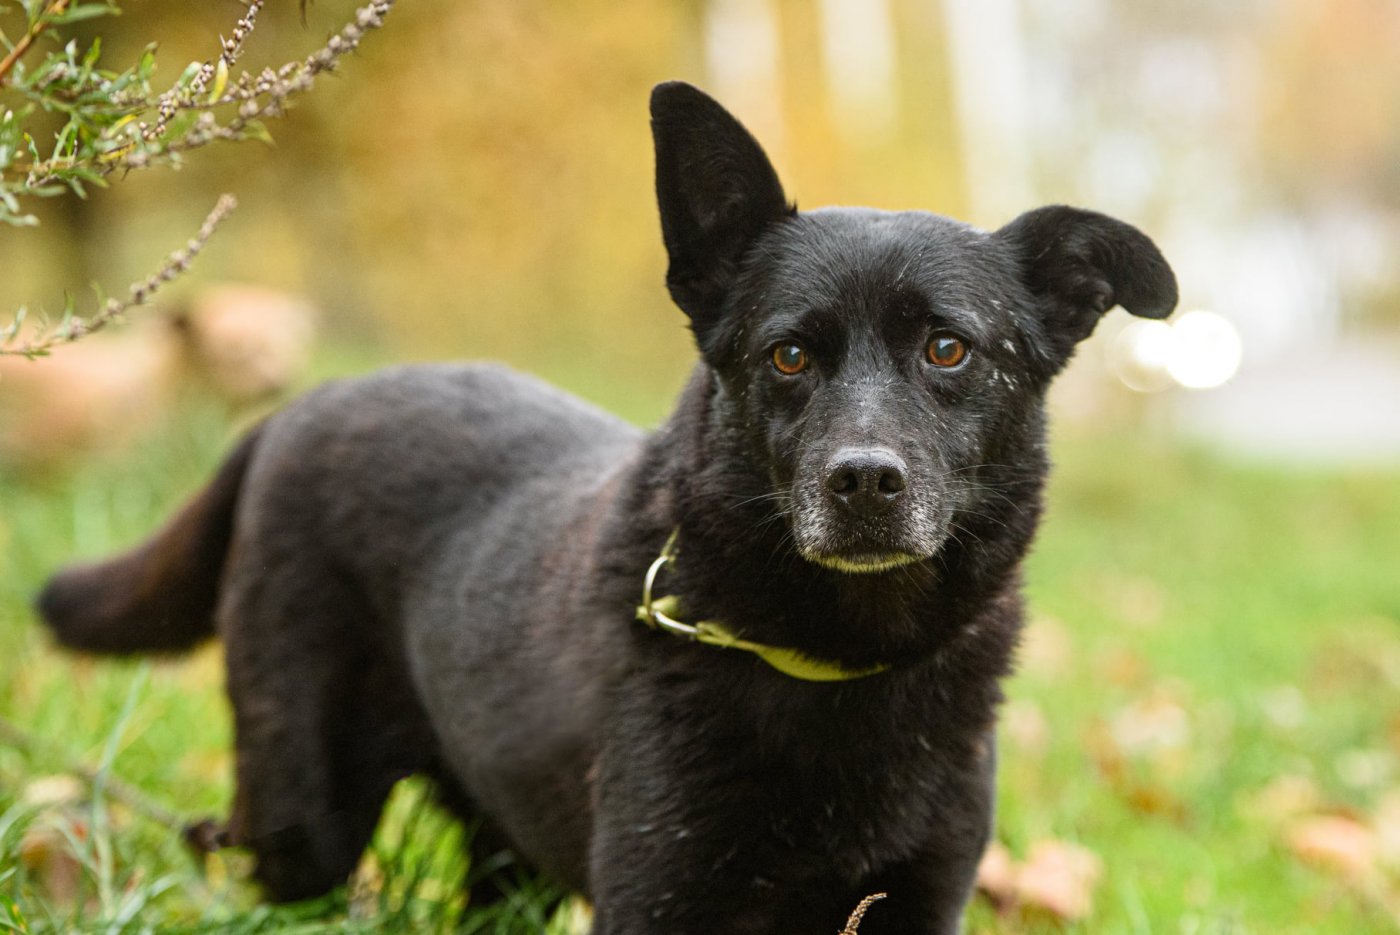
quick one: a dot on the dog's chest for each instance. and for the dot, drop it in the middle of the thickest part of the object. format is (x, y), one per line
(869, 784)
(822, 782)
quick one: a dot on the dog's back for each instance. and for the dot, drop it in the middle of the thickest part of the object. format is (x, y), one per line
(374, 474)
(411, 450)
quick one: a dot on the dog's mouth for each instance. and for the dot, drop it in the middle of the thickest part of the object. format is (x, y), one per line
(864, 563)
(838, 547)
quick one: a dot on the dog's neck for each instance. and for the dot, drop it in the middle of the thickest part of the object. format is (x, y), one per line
(739, 564)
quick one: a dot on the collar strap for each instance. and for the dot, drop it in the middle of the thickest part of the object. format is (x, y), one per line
(660, 613)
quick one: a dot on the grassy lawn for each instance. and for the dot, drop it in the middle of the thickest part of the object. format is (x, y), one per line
(1214, 658)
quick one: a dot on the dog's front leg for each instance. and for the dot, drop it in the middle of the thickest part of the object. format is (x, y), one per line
(657, 894)
(927, 894)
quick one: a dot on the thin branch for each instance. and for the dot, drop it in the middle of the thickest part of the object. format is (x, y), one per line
(229, 52)
(290, 80)
(853, 923)
(139, 294)
(42, 23)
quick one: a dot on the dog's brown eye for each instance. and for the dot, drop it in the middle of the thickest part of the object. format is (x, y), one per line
(789, 359)
(945, 350)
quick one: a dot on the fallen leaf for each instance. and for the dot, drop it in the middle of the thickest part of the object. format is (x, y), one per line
(1155, 799)
(996, 875)
(1059, 878)
(1337, 843)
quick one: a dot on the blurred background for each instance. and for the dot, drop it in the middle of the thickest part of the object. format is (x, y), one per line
(478, 183)
(1210, 703)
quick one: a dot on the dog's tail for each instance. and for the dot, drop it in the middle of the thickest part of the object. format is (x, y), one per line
(160, 596)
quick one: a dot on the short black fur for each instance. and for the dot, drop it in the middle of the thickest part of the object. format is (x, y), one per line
(436, 568)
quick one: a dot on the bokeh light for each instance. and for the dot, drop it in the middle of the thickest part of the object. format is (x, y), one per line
(1205, 350)
(1198, 350)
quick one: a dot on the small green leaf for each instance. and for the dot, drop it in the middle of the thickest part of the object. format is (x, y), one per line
(255, 130)
(188, 74)
(8, 333)
(216, 91)
(94, 52)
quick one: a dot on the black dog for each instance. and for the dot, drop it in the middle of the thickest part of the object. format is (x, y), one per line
(440, 568)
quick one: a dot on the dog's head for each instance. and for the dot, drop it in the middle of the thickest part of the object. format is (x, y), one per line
(879, 368)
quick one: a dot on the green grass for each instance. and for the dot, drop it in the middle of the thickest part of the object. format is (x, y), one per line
(1257, 610)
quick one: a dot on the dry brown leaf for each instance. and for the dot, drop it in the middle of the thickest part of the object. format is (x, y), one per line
(250, 341)
(1059, 878)
(1337, 843)
(1155, 799)
(996, 875)
(1143, 746)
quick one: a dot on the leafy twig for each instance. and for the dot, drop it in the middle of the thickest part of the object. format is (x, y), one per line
(135, 145)
(52, 8)
(232, 47)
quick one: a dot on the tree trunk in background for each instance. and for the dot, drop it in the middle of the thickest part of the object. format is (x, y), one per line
(986, 47)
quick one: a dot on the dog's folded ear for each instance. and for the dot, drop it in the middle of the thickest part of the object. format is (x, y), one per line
(717, 192)
(1079, 264)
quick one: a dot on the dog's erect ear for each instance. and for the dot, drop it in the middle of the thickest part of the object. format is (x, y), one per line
(1079, 264)
(717, 192)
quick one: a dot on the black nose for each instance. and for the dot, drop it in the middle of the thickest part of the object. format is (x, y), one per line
(866, 481)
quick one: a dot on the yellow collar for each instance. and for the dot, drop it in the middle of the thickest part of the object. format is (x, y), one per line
(660, 613)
